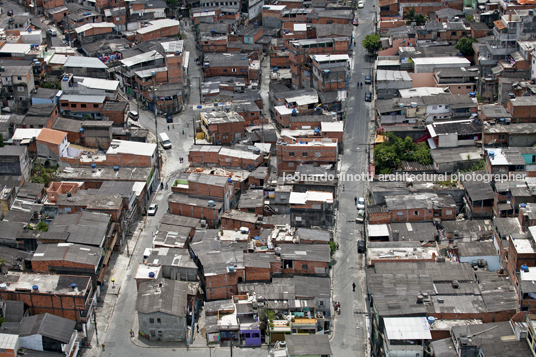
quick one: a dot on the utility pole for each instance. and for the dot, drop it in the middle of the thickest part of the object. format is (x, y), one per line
(95, 322)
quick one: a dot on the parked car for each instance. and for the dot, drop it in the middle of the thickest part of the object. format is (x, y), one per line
(361, 246)
(52, 32)
(360, 203)
(360, 5)
(360, 218)
(355, 22)
(169, 118)
(134, 115)
(152, 209)
(368, 97)
(368, 79)
(9, 12)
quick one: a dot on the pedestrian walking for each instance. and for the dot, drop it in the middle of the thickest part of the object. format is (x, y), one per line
(353, 286)
(173, 126)
(343, 188)
(337, 246)
(197, 328)
(355, 199)
(131, 333)
(182, 131)
(168, 127)
(103, 347)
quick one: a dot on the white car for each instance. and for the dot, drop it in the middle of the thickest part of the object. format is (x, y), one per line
(360, 203)
(152, 209)
(360, 5)
(52, 32)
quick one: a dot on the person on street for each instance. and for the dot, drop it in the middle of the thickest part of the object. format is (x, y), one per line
(343, 188)
(353, 286)
(103, 347)
(182, 131)
(355, 200)
(168, 127)
(173, 126)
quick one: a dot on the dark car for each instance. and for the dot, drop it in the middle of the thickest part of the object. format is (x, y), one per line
(368, 97)
(169, 118)
(361, 246)
(9, 12)
(368, 79)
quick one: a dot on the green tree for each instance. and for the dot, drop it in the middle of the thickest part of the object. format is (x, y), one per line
(371, 42)
(42, 226)
(465, 46)
(172, 4)
(420, 19)
(332, 247)
(409, 15)
(2, 320)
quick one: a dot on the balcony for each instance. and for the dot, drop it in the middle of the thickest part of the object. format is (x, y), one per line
(505, 36)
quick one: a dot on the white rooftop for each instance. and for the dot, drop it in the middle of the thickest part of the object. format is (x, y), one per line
(528, 275)
(144, 270)
(300, 198)
(144, 57)
(58, 59)
(283, 110)
(498, 157)
(274, 7)
(21, 134)
(303, 99)
(238, 153)
(328, 58)
(462, 61)
(86, 27)
(15, 48)
(407, 328)
(8, 342)
(98, 83)
(158, 24)
(203, 14)
(84, 98)
(131, 147)
(331, 127)
(383, 75)
(85, 62)
(378, 230)
(420, 92)
(523, 245)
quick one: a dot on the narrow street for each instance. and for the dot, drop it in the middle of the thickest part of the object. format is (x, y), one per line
(350, 336)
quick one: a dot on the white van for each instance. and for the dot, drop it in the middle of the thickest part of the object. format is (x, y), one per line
(164, 140)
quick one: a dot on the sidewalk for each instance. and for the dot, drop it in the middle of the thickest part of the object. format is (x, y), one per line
(119, 263)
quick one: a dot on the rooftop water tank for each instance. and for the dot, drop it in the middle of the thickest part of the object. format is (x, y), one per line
(73, 286)
(93, 166)
(431, 320)
(211, 203)
(151, 274)
(231, 268)
(35, 288)
(522, 205)
(256, 237)
(3, 286)
(81, 130)
(524, 268)
(116, 168)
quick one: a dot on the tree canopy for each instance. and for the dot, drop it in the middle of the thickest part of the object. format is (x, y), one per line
(389, 154)
(465, 46)
(411, 16)
(371, 42)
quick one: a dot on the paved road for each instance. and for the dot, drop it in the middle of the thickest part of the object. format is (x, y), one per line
(350, 328)
(36, 21)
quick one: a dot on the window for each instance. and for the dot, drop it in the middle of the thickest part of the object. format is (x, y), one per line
(290, 154)
(448, 212)
(64, 104)
(225, 70)
(247, 335)
(95, 105)
(415, 213)
(233, 69)
(83, 105)
(468, 87)
(159, 321)
(255, 335)
(501, 136)
(317, 154)
(533, 158)
(151, 320)
(20, 89)
(19, 78)
(252, 114)
(159, 333)
(153, 333)
(304, 153)
(304, 267)
(73, 105)
(399, 213)
(321, 303)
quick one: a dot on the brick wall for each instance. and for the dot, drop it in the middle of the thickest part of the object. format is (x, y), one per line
(258, 274)
(223, 286)
(305, 267)
(184, 209)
